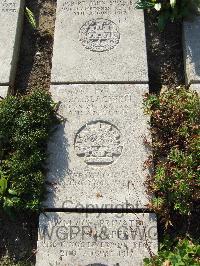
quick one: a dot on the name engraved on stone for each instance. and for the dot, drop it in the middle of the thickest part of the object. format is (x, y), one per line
(98, 143)
(99, 239)
(107, 104)
(99, 35)
(98, 8)
(8, 6)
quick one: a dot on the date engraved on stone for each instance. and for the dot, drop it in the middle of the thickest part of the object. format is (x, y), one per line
(99, 35)
(98, 143)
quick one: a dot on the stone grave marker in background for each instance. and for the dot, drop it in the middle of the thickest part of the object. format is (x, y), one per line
(3, 91)
(99, 41)
(191, 44)
(96, 176)
(11, 18)
(195, 87)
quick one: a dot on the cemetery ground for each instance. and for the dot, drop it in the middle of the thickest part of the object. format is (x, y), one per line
(18, 232)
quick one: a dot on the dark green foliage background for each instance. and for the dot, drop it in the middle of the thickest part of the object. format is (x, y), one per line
(25, 126)
(182, 252)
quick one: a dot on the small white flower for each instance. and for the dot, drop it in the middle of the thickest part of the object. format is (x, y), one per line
(172, 3)
(158, 6)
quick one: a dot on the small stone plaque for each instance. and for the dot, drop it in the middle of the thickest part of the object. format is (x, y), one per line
(11, 18)
(99, 41)
(97, 156)
(96, 239)
(195, 87)
(3, 91)
(191, 39)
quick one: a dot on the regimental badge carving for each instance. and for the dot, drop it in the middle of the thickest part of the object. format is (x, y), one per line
(99, 35)
(98, 143)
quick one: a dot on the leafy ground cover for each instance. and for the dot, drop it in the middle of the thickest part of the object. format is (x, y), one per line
(175, 126)
(26, 123)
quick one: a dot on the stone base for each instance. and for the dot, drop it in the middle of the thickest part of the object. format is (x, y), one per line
(96, 239)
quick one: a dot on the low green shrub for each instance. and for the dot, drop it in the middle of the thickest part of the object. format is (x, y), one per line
(180, 252)
(26, 123)
(175, 125)
(170, 10)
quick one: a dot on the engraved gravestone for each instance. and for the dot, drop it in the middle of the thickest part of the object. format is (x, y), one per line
(97, 156)
(96, 239)
(11, 17)
(94, 39)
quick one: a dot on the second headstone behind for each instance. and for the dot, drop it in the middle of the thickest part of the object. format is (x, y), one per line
(100, 41)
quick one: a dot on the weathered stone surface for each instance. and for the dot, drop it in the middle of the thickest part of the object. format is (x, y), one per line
(191, 42)
(96, 158)
(3, 91)
(99, 41)
(81, 239)
(11, 17)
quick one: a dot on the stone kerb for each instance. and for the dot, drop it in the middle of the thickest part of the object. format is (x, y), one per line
(191, 44)
(11, 18)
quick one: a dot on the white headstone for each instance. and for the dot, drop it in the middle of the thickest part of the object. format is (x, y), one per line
(97, 157)
(11, 18)
(100, 41)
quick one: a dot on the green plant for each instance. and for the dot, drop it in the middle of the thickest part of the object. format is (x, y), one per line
(30, 17)
(170, 10)
(175, 126)
(25, 126)
(180, 252)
